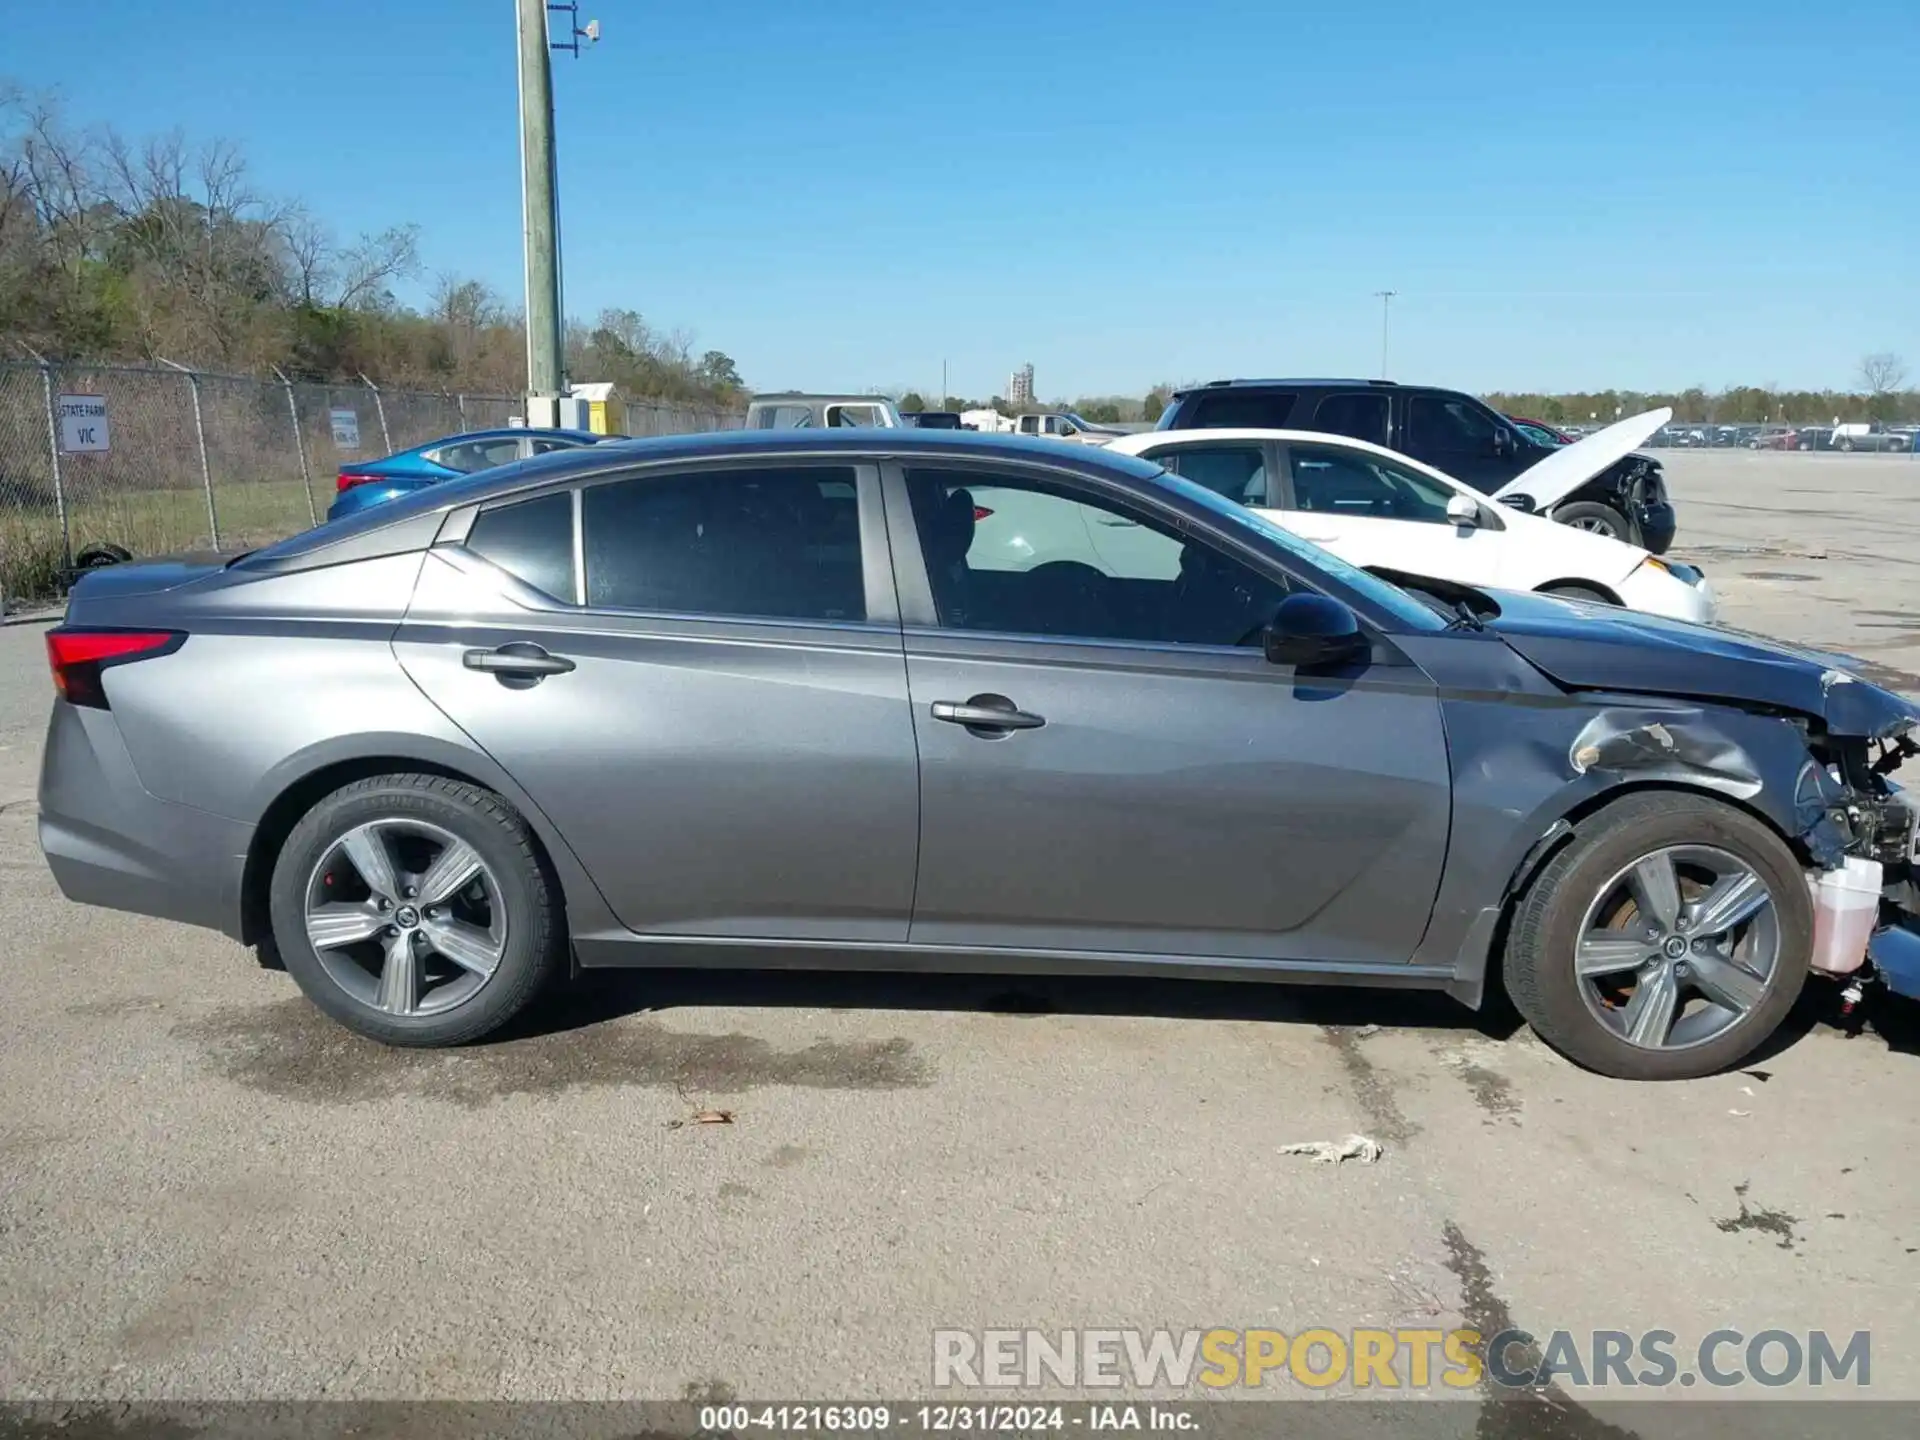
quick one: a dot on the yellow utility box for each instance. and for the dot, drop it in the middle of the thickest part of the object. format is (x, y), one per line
(606, 411)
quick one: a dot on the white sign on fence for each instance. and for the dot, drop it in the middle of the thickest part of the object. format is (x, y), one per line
(346, 429)
(83, 425)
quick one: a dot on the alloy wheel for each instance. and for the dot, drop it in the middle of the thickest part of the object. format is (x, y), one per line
(406, 917)
(1678, 947)
(1593, 525)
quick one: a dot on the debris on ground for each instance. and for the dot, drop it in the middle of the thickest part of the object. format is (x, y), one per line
(1366, 1032)
(1334, 1152)
(703, 1117)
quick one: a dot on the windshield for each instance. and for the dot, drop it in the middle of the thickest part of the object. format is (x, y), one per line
(1405, 608)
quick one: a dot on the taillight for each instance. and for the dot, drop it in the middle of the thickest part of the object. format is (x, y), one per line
(350, 478)
(980, 512)
(77, 658)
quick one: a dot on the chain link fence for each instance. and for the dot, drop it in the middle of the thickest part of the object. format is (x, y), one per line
(159, 459)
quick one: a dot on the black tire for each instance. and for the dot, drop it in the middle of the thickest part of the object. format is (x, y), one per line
(1539, 969)
(1591, 515)
(1579, 592)
(535, 948)
(94, 557)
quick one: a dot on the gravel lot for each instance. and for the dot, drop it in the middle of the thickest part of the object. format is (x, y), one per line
(208, 1191)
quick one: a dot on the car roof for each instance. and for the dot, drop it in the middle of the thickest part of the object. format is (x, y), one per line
(807, 397)
(1154, 439)
(870, 442)
(504, 432)
(1345, 384)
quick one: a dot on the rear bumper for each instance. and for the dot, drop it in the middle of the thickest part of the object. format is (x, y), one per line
(111, 843)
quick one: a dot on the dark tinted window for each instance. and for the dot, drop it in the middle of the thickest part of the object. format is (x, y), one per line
(532, 540)
(783, 543)
(1239, 472)
(1363, 416)
(1448, 424)
(1025, 556)
(545, 444)
(1234, 410)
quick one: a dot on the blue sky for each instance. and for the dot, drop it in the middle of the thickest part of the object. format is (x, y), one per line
(845, 194)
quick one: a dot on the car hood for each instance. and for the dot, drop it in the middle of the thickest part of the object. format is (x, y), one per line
(1550, 480)
(1598, 647)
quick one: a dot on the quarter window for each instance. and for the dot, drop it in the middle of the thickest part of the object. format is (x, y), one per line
(1027, 556)
(531, 540)
(1330, 481)
(777, 543)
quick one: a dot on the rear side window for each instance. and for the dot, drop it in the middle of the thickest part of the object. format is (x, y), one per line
(1361, 415)
(781, 417)
(1449, 424)
(1239, 472)
(779, 543)
(1235, 410)
(531, 540)
(478, 455)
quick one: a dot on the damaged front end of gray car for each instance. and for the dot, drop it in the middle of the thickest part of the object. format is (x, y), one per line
(1701, 819)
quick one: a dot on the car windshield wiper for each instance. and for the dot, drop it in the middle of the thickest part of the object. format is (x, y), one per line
(1465, 617)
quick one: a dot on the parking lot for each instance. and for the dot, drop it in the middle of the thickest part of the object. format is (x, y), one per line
(209, 1191)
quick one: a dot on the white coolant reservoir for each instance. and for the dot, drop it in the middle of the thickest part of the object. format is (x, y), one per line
(1846, 903)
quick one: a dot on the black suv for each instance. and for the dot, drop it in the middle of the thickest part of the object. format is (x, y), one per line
(1450, 431)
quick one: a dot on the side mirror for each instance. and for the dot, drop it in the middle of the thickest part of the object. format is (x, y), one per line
(1311, 629)
(1504, 442)
(1462, 510)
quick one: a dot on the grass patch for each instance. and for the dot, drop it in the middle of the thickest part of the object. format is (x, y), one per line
(147, 522)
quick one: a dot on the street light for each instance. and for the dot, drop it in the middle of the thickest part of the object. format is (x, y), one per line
(1385, 297)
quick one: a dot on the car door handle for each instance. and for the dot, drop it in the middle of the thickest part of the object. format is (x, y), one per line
(989, 714)
(517, 661)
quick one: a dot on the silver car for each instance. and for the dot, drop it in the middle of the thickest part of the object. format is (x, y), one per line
(834, 699)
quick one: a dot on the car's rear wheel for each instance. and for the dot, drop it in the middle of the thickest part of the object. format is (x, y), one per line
(1593, 517)
(416, 910)
(1666, 942)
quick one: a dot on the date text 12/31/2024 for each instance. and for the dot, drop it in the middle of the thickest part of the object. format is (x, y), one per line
(947, 1419)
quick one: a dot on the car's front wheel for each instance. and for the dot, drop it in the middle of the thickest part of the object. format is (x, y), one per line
(415, 909)
(1595, 518)
(1666, 942)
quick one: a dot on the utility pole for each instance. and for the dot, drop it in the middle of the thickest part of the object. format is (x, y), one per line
(1385, 297)
(943, 385)
(541, 219)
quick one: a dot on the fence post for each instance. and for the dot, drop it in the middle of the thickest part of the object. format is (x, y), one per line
(299, 444)
(380, 409)
(53, 454)
(461, 402)
(200, 433)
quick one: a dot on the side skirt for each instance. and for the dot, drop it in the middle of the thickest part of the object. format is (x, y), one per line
(605, 952)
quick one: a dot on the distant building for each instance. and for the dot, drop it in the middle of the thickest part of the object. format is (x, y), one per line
(1020, 385)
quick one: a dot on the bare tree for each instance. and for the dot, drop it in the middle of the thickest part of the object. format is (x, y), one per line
(1883, 372)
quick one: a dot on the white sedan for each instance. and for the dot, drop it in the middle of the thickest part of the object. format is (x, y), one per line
(1379, 509)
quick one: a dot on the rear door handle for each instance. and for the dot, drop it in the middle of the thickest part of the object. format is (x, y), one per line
(521, 660)
(986, 715)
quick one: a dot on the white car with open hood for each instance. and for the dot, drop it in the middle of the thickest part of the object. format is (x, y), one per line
(1381, 510)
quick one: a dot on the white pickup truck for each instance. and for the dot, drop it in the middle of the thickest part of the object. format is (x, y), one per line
(1064, 425)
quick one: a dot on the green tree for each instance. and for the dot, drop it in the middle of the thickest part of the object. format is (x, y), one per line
(1153, 407)
(912, 400)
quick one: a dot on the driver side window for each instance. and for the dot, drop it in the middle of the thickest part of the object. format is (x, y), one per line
(1026, 556)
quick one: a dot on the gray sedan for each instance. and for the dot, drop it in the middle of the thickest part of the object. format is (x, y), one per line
(925, 700)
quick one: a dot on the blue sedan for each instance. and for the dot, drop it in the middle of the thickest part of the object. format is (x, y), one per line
(377, 481)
